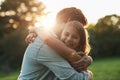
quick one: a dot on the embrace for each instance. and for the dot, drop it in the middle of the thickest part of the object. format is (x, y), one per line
(60, 54)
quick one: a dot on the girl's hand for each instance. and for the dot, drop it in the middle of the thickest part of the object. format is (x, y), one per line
(83, 63)
(43, 33)
(33, 34)
(30, 37)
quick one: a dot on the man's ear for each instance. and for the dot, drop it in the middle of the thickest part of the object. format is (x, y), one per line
(69, 19)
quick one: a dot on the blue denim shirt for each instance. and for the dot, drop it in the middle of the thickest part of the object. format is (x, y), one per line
(41, 62)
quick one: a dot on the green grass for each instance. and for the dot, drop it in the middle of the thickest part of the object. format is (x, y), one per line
(10, 76)
(106, 69)
(103, 69)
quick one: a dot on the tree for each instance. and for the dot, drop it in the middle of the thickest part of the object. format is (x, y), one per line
(107, 31)
(19, 13)
(92, 39)
(15, 18)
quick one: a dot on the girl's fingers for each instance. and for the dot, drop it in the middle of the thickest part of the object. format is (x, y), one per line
(30, 38)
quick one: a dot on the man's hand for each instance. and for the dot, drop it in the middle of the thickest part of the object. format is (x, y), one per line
(30, 37)
(82, 64)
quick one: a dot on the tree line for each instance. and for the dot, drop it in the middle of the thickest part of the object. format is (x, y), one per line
(104, 36)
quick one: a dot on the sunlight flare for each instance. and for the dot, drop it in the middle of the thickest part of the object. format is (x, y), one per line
(46, 21)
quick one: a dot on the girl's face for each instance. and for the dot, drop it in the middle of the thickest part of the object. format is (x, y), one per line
(70, 37)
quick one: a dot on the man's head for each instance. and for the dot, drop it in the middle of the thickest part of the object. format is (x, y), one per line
(68, 14)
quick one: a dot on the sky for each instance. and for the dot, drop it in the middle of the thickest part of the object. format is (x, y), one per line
(93, 9)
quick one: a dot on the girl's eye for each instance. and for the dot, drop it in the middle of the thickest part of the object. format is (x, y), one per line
(75, 37)
(66, 34)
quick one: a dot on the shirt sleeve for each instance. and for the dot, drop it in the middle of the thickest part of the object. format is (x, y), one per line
(58, 65)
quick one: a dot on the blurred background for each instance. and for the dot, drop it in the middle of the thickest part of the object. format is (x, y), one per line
(17, 16)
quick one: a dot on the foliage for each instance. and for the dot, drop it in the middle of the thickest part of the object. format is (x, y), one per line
(12, 49)
(15, 18)
(106, 36)
(19, 13)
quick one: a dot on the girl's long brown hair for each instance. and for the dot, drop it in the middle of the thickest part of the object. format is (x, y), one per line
(83, 44)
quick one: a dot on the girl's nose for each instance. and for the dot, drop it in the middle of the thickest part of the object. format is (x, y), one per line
(69, 38)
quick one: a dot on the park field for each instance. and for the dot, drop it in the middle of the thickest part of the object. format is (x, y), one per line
(103, 69)
(106, 69)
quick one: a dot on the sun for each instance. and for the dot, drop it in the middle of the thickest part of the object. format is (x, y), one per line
(46, 21)
(49, 21)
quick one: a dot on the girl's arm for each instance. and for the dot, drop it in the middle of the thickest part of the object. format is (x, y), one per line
(68, 53)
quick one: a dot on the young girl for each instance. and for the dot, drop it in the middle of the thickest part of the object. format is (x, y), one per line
(75, 37)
